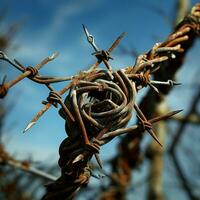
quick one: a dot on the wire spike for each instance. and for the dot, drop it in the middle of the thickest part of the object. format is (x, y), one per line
(155, 69)
(165, 116)
(116, 42)
(90, 38)
(29, 126)
(98, 160)
(150, 131)
(88, 35)
(176, 83)
(169, 82)
(85, 30)
(53, 56)
(153, 87)
(4, 79)
(18, 63)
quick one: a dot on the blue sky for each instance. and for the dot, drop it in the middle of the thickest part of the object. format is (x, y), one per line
(49, 26)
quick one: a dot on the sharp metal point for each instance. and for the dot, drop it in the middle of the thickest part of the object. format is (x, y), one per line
(174, 112)
(155, 69)
(169, 82)
(29, 126)
(165, 116)
(45, 108)
(54, 55)
(150, 131)
(4, 57)
(90, 38)
(88, 35)
(85, 30)
(154, 88)
(98, 160)
(176, 83)
(4, 79)
(17, 62)
(116, 42)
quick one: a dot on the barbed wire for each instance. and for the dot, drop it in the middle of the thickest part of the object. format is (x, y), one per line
(100, 102)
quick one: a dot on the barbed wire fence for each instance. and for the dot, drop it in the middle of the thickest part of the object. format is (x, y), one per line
(98, 94)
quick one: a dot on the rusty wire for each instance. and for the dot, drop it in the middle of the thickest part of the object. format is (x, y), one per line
(100, 102)
(129, 147)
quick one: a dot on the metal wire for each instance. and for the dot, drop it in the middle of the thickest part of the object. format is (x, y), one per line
(99, 104)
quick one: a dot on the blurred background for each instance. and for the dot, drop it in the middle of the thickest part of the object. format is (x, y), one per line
(33, 30)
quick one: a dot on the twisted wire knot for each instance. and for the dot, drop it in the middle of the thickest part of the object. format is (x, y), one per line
(33, 70)
(103, 55)
(144, 125)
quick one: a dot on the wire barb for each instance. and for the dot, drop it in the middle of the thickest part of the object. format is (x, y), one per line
(169, 82)
(90, 38)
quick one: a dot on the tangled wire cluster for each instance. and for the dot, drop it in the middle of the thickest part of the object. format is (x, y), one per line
(100, 103)
(99, 108)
